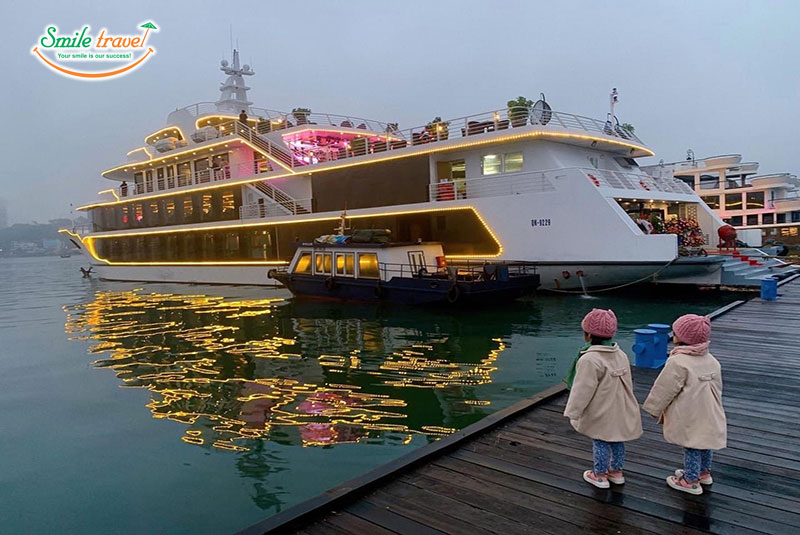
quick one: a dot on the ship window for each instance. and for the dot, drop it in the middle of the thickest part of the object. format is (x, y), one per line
(345, 264)
(322, 263)
(512, 162)
(160, 178)
(227, 202)
(781, 218)
(736, 221)
(795, 216)
(184, 174)
(188, 209)
(138, 181)
(201, 171)
(368, 266)
(733, 201)
(170, 177)
(417, 261)
(712, 202)
(752, 219)
(148, 180)
(687, 179)
(755, 200)
(303, 264)
(709, 181)
(491, 164)
(789, 231)
(767, 219)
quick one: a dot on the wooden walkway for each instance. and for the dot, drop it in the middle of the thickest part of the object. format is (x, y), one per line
(519, 470)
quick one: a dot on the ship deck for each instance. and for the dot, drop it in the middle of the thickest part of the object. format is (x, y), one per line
(519, 469)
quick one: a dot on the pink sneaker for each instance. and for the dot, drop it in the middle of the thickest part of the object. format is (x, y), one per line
(598, 480)
(616, 477)
(705, 477)
(684, 486)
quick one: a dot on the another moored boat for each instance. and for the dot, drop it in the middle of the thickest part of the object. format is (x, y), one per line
(410, 273)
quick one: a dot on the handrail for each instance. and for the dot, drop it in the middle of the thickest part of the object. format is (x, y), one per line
(542, 181)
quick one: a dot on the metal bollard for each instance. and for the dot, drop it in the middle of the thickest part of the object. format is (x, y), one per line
(643, 348)
(661, 343)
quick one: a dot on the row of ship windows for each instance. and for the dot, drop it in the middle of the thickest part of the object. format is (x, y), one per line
(770, 218)
(344, 263)
(235, 245)
(753, 200)
(177, 210)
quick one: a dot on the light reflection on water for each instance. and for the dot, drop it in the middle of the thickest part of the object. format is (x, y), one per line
(235, 370)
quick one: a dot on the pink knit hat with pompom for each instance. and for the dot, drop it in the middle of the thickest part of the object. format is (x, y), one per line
(600, 323)
(692, 329)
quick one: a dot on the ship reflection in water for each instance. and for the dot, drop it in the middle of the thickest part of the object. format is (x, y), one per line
(239, 372)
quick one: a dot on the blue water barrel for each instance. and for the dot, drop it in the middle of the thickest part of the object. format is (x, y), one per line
(661, 343)
(769, 289)
(644, 347)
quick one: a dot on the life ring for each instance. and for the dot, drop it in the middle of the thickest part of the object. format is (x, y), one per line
(330, 284)
(453, 294)
(271, 273)
(378, 291)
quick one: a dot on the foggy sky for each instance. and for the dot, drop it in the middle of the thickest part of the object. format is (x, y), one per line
(718, 77)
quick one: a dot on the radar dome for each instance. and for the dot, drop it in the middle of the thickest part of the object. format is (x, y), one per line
(246, 67)
(224, 62)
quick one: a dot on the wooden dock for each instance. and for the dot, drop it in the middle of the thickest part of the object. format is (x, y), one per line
(519, 470)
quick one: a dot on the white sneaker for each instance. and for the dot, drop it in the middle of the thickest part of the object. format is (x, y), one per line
(599, 481)
(704, 479)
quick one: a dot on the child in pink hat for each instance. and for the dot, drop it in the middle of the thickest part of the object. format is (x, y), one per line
(601, 403)
(687, 399)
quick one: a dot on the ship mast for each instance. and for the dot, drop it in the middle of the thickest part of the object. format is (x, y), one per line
(234, 92)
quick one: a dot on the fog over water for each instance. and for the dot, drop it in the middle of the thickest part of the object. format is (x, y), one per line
(719, 77)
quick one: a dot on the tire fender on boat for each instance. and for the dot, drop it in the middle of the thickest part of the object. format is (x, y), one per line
(271, 273)
(453, 294)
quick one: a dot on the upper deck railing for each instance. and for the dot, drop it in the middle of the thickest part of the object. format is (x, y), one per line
(468, 125)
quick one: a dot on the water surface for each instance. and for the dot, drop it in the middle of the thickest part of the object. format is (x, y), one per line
(203, 409)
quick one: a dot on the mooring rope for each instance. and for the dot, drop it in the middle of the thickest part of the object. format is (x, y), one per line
(637, 281)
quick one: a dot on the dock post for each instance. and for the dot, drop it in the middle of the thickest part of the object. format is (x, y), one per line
(660, 344)
(769, 289)
(643, 348)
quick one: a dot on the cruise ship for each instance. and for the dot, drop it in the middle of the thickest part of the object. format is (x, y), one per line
(763, 208)
(225, 191)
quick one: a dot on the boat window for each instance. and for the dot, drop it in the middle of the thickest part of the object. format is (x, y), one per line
(712, 202)
(323, 263)
(491, 164)
(755, 199)
(709, 180)
(512, 162)
(781, 218)
(368, 266)
(687, 179)
(170, 176)
(752, 219)
(184, 174)
(733, 201)
(345, 264)
(148, 180)
(303, 264)
(767, 219)
(417, 261)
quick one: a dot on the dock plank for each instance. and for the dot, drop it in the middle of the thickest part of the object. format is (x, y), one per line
(519, 470)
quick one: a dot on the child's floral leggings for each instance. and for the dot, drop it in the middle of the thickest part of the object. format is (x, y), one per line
(607, 454)
(694, 462)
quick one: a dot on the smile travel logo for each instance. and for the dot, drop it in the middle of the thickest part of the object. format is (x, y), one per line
(60, 52)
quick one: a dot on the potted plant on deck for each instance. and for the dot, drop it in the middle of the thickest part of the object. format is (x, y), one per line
(519, 110)
(438, 129)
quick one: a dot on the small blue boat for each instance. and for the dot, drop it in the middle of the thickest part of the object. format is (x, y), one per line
(409, 273)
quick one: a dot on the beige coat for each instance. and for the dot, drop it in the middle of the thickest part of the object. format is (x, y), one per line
(601, 403)
(687, 399)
